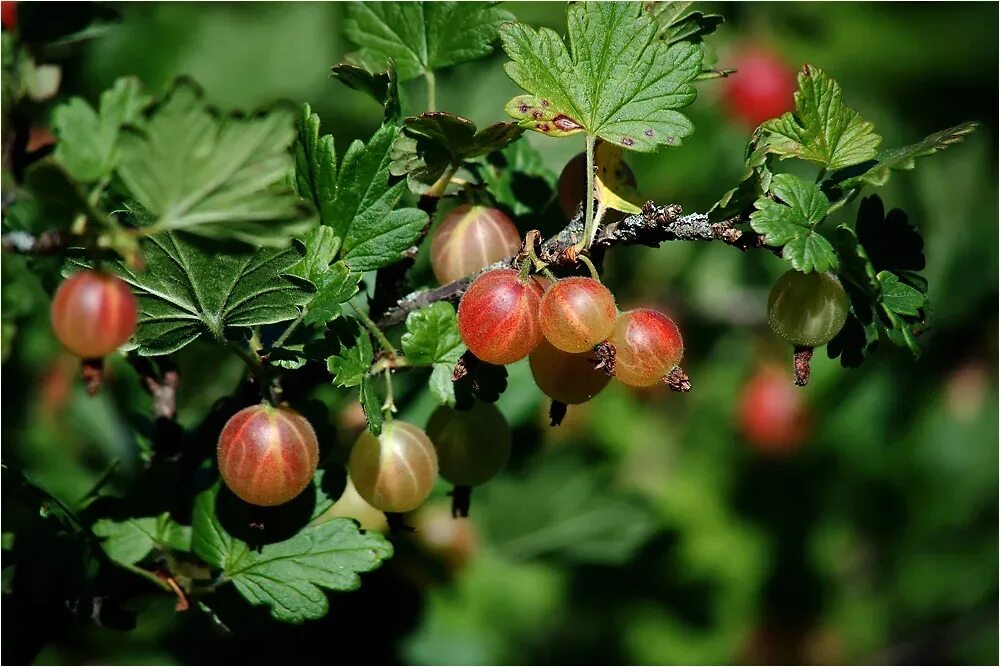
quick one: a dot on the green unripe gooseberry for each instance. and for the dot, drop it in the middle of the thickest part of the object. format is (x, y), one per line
(807, 309)
(472, 445)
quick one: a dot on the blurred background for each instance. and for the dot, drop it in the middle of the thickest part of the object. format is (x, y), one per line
(856, 523)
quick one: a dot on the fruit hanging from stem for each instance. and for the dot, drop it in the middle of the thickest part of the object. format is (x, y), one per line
(647, 346)
(577, 313)
(807, 309)
(469, 239)
(93, 313)
(498, 316)
(395, 471)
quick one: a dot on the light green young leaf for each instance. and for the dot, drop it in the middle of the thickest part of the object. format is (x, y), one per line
(131, 540)
(88, 139)
(351, 365)
(432, 335)
(822, 129)
(790, 223)
(334, 288)
(422, 36)
(615, 80)
(441, 385)
(289, 576)
(358, 204)
(222, 177)
(190, 288)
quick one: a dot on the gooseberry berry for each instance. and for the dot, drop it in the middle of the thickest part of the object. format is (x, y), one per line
(93, 313)
(762, 88)
(267, 455)
(498, 317)
(353, 506)
(565, 377)
(773, 414)
(472, 445)
(394, 472)
(807, 309)
(8, 14)
(577, 313)
(471, 238)
(647, 346)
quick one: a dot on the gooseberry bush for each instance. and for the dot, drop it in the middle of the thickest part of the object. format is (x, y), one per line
(257, 233)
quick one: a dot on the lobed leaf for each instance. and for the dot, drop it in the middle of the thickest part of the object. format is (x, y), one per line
(676, 24)
(789, 222)
(221, 177)
(422, 36)
(290, 576)
(130, 540)
(351, 366)
(383, 86)
(615, 80)
(432, 335)
(822, 128)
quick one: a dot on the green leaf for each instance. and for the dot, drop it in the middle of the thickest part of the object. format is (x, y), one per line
(676, 24)
(190, 288)
(753, 185)
(432, 335)
(130, 540)
(289, 576)
(435, 142)
(351, 366)
(441, 385)
(822, 129)
(358, 204)
(334, 288)
(88, 139)
(383, 86)
(790, 222)
(899, 297)
(422, 36)
(903, 159)
(615, 80)
(321, 246)
(371, 403)
(575, 514)
(222, 177)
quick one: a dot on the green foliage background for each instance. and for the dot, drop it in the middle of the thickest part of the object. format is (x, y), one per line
(645, 529)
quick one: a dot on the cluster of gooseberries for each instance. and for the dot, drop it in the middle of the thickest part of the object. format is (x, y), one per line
(269, 455)
(505, 316)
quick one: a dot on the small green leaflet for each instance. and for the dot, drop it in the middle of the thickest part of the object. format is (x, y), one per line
(434, 143)
(615, 80)
(130, 540)
(358, 202)
(432, 339)
(676, 24)
(88, 139)
(351, 366)
(422, 36)
(222, 177)
(289, 576)
(903, 159)
(335, 285)
(790, 223)
(383, 86)
(371, 403)
(190, 288)
(822, 129)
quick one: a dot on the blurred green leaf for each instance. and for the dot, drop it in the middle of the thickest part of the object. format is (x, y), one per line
(518, 179)
(563, 507)
(615, 80)
(190, 288)
(88, 139)
(422, 36)
(289, 576)
(822, 129)
(790, 223)
(222, 177)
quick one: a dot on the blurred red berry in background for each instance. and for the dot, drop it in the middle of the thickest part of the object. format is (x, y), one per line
(762, 88)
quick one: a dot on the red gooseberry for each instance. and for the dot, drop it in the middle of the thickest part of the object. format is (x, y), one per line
(647, 346)
(498, 317)
(93, 313)
(267, 455)
(469, 239)
(565, 377)
(577, 313)
(762, 88)
(395, 471)
(773, 414)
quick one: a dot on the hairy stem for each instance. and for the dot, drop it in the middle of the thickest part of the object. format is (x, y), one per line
(291, 327)
(589, 226)
(375, 331)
